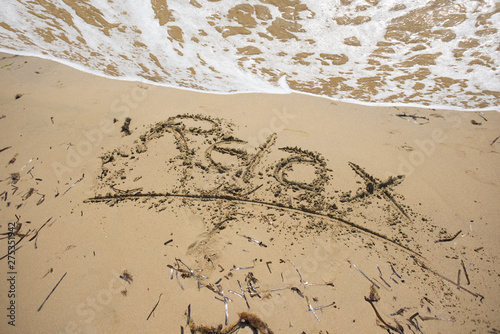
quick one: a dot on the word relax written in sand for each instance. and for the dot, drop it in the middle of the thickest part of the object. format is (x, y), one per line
(200, 158)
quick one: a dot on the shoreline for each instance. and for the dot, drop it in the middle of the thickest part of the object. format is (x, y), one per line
(65, 139)
(286, 91)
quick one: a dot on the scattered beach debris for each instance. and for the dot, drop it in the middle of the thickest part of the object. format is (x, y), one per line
(398, 312)
(362, 273)
(28, 194)
(41, 200)
(424, 266)
(26, 165)
(126, 127)
(246, 320)
(475, 123)
(38, 231)
(154, 308)
(268, 268)
(51, 292)
(380, 275)
(260, 243)
(480, 114)
(449, 238)
(374, 297)
(385, 325)
(413, 118)
(5, 148)
(83, 175)
(465, 272)
(18, 96)
(11, 161)
(311, 309)
(127, 277)
(50, 271)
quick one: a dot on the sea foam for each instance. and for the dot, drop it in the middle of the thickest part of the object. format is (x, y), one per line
(439, 53)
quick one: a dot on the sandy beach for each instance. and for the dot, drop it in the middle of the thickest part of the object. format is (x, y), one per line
(132, 208)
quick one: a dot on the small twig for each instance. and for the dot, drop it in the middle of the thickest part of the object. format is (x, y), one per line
(5, 148)
(51, 292)
(449, 239)
(267, 264)
(298, 272)
(362, 273)
(11, 252)
(192, 273)
(154, 308)
(38, 231)
(320, 307)
(260, 243)
(494, 140)
(458, 279)
(241, 268)
(380, 275)
(425, 318)
(398, 312)
(413, 118)
(311, 309)
(480, 115)
(243, 293)
(74, 184)
(394, 272)
(447, 279)
(465, 273)
(225, 304)
(399, 330)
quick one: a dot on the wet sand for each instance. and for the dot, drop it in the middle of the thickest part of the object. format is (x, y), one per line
(303, 201)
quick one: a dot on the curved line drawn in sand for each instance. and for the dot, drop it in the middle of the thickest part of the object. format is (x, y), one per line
(210, 156)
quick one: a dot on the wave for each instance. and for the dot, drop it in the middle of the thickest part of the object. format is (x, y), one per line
(441, 53)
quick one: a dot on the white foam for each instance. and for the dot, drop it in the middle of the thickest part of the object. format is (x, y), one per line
(216, 60)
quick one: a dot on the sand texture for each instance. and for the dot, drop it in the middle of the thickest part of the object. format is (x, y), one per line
(141, 209)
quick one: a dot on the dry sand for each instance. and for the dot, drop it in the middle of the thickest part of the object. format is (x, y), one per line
(315, 183)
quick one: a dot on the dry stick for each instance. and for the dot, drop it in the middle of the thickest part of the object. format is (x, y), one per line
(241, 268)
(74, 184)
(267, 264)
(449, 280)
(51, 292)
(380, 318)
(298, 272)
(36, 233)
(178, 280)
(383, 280)
(394, 272)
(154, 308)
(362, 273)
(225, 304)
(260, 243)
(243, 293)
(320, 307)
(415, 323)
(311, 309)
(494, 140)
(5, 148)
(192, 273)
(449, 239)
(465, 273)
(11, 252)
(479, 114)
(458, 279)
